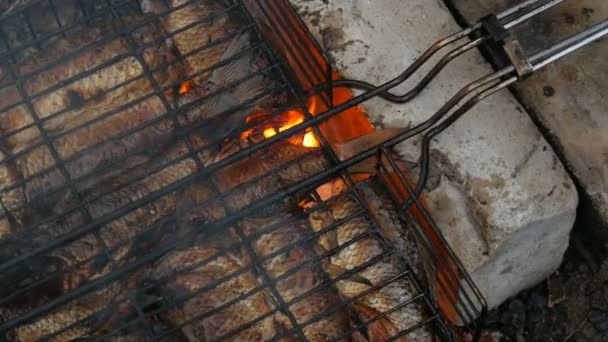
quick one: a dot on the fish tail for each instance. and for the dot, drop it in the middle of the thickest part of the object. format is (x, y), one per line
(238, 69)
(224, 108)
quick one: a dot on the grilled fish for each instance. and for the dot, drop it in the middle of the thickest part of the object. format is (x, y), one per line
(254, 177)
(65, 84)
(209, 314)
(335, 325)
(200, 205)
(121, 134)
(71, 98)
(85, 259)
(106, 313)
(197, 28)
(94, 152)
(357, 254)
(80, 318)
(124, 237)
(229, 91)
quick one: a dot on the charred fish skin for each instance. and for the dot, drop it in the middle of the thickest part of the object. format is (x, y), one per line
(90, 149)
(357, 254)
(129, 121)
(315, 304)
(71, 261)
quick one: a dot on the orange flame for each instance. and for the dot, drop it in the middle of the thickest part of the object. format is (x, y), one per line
(286, 121)
(185, 87)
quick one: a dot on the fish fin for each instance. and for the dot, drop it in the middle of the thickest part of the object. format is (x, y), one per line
(224, 108)
(380, 330)
(335, 271)
(348, 149)
(237, 68)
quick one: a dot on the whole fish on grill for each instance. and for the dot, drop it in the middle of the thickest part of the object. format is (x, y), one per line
(121, 134)
(281, 165)
(72, 84)
(124, 237)
(211, 293)
(276, 233)
(71, 98)
(356, 254)
(91, 315)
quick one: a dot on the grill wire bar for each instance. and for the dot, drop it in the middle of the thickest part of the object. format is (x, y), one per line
(446, 296)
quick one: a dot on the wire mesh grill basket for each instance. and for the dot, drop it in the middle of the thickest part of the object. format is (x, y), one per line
(196, 170)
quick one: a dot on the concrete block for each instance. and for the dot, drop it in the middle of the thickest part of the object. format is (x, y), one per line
(499, 193)
(568, 98)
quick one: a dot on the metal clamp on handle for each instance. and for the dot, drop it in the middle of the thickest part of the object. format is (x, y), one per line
(511, 47)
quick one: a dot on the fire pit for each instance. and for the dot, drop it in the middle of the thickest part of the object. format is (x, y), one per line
(196, 170)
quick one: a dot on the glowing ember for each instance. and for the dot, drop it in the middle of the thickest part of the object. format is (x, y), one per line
(282, 123)
(185, 87)
(269, 132)
(310, 140)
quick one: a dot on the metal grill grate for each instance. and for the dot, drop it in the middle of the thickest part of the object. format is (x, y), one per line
(98, 225)
(141, 199)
